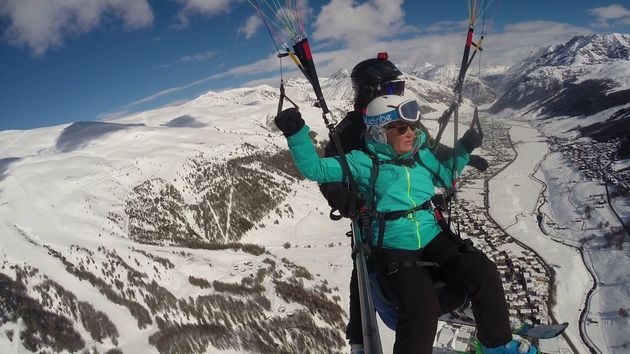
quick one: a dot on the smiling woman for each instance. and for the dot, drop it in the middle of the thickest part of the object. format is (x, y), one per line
(396, 173)
(392, 119)
(401, 136)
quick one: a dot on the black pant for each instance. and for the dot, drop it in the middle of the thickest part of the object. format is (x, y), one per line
(418, 303)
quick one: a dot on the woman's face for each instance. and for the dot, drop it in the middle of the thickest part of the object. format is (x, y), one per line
(401, 136)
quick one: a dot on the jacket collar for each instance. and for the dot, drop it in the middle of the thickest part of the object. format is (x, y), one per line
(385, 152)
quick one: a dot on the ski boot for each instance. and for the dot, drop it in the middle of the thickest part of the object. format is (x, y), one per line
(356, 349)
(513, 347)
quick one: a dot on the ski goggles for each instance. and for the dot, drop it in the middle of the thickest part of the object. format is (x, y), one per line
(395, 87)
(407, 112)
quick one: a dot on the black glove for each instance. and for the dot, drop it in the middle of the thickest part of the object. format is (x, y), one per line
(289, 121)
(348, 203)
(478, 162)
(471, 140)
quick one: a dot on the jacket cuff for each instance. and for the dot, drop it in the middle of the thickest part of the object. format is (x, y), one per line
(300, 137)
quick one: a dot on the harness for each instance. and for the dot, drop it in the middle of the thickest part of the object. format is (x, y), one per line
(382, 292)
(436, 204)
(383, 217)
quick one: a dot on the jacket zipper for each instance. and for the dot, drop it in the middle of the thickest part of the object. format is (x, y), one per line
(413, 215)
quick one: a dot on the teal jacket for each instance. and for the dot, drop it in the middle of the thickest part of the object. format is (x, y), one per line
(398, 187)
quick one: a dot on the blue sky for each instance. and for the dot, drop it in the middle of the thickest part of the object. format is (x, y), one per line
(71, 60)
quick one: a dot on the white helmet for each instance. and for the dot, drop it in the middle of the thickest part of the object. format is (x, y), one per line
(386, 109)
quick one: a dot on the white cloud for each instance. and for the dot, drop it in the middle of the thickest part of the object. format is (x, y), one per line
(203, 7)
(514, 43)
(615, 14)
(266, 65)
(447, 26)
(197, 57)
(193, 58)
(251, 26)
(520, 39)
(43, 24)
(358, 24)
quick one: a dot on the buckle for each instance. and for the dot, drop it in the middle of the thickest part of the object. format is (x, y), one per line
(392, 268)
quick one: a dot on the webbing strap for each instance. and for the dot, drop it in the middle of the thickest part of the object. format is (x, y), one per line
(282, 97)
(396, 266)
(381, 233)
(393, 215)
(367, 215)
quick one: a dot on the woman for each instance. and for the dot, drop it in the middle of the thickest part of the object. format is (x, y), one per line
(406, 176)
(371, 78)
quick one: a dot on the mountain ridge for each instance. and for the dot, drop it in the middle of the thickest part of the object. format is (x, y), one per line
(549, 71)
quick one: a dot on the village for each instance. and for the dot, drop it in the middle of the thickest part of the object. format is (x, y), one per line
(593, 160)
(525, 279)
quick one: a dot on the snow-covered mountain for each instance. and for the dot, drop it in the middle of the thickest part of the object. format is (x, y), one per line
(577, 96)
(584, 76)
(161, 232)
(584, 85)
(477, 88)
(433, 96)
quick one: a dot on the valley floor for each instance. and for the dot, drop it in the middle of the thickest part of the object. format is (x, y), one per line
(514, 198)
(572, 236)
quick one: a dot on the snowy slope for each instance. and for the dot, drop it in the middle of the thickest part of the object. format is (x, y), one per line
(71, 193)
(585, 65)
(178, 228)
(477, 86)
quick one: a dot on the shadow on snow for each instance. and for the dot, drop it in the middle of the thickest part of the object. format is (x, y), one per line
(80, 134)
(184, 122)
(4, 165)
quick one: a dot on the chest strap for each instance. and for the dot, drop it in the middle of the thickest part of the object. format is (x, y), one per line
(393, 215)
(383, 217)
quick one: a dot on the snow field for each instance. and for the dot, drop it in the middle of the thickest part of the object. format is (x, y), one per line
(508, 200)
(603, 324)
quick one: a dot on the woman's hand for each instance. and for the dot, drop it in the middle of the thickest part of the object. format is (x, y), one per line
(289, 121)
(471, 140)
